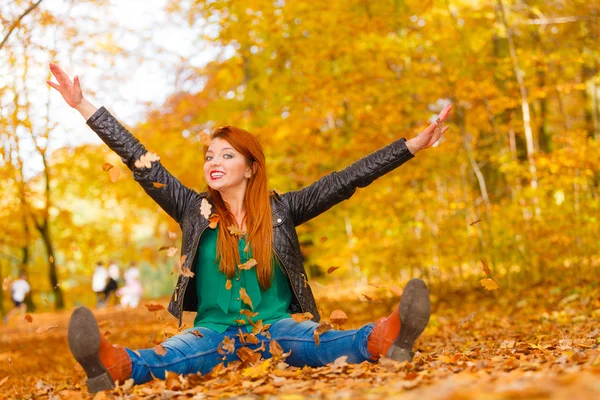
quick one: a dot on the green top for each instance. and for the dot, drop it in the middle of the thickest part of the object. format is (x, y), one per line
(219, 307)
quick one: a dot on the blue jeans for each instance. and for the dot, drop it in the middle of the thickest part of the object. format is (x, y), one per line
(190, 354)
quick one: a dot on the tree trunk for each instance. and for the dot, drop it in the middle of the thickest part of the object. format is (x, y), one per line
(44, 230)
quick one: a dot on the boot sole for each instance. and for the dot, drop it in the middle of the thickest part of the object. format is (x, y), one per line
(415, 310)
(84, 342)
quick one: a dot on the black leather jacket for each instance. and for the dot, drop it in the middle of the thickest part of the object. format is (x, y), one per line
(289, 209)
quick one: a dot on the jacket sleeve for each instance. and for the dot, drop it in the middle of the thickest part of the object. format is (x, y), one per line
(338, 186)
(174, 197)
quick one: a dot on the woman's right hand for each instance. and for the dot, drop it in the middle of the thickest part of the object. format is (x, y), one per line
(70, 91)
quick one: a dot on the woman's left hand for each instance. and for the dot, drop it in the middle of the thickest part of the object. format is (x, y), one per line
(429, 136)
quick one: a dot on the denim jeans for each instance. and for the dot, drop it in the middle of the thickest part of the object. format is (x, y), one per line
(188, 353)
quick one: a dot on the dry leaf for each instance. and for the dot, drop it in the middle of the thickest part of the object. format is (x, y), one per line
(489, 284)
(473, 223)
(154, 306)
(235, 231)
(196, 333)
(301, 317)
(172, 251)
(248, 264)
(6, 283)
(331, 269)
(28, 318)
(213, 221)
(245, 298)
(45, 328)
(180, 270)
(486, 269)
(3, 381)
(114, 174)
(247, 356)
(246, 247)
(172, 381)
(160, 350)
(322, 328)
(466, 319)
(146, 160)
(107, 167)
(228, 284)
(226, 346)
(338, 317)
(158, 185)
(205, 208)
(248, 313)
(275, 349)
(240, 321)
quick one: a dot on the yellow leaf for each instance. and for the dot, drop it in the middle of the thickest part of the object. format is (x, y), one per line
(114, 174)
(158, 185)
(228, 284)
(107, 167)
(301, 317)
(489, 284)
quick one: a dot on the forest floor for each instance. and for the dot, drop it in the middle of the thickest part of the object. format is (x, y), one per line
(536, 342)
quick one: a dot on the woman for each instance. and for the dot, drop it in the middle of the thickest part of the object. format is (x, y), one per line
(241, 267)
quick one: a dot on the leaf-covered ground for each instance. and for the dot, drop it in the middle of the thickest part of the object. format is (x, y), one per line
(540, 342)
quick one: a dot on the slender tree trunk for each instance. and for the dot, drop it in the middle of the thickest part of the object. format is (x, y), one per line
(524, 107)
(44, 230)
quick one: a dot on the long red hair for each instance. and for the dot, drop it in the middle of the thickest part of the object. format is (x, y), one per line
(258, 209)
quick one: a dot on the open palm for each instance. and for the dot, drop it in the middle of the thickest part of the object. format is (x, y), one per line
(70, 90)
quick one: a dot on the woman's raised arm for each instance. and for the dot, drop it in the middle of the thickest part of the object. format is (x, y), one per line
(164, 188)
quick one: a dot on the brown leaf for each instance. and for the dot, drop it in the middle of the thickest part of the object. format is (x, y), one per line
(3, 381)
(473, 223)
(245, 298)
(226, 346)
(172, 381)
(486, 269)
(248, 264)
(338, 317)
(160, 350)
(178, 268)
(145, 161)
(301, 317)
(489, 284)
(107, 167)
(154, 306)
(196, 333)
(275, 349)
(28, 318)
(158, 185)
(331, 269)
(247, 355)
(213, 221)
(45, 328)
(172, 251)
(323, 239)
(322, 328)
(251, 338)
(248, 313)
(240, 321)
(228, 284)
(465, 320)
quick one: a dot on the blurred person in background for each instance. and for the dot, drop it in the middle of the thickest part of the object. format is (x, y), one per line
(99, 280)
(113, 282)
(18, 290)
(132, 291)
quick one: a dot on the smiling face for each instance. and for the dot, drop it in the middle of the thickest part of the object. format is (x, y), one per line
(225, 167)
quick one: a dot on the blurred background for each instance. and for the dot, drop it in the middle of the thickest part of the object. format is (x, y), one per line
(514, 185)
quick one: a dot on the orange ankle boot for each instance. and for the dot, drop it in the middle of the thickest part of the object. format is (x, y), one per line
(103, 363)
(395, 335)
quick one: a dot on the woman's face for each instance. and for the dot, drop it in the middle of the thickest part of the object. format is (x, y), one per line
(224, 167)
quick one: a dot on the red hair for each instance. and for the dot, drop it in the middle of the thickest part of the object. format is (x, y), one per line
(258, 209)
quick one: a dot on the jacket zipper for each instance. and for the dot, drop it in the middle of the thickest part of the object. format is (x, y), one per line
(288, 274)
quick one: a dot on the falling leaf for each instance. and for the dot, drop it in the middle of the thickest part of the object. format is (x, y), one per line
(160, 350)
(301, 317)
(172, 381)
(228, 284)
(158, 185)
(213, 221)
(331, 269)
(486, 269)
(396, 290)
(251, 338)
(319, 330)
(246, 247)
(45, 328)
(248, 313)
(338, 317)
(107, 167)
(196, 333)
(172, 235)
(28, 318)
(180, 270)
(275, 349)
(205, 139)
(154, 306)
(466, 319)
(247, 356)
(323, 239)
(205, 208)
(145, 161)
(248, 264)
(3, 381)
(226, 346)
(240, 321)
(489, 284)
(368, 299)
(245, 298)
(114, 174)
(172, 251)
(235, 231)
(258, 370)
(473, 223)
(107, 334)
